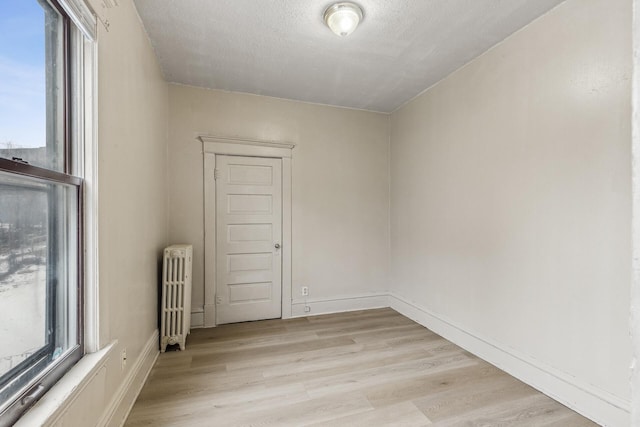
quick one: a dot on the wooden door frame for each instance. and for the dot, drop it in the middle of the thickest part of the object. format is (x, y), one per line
(211, 147)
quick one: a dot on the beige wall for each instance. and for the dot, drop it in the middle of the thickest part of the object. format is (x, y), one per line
(133, 107)
(635, 159)
(340, 184)
(510, 195)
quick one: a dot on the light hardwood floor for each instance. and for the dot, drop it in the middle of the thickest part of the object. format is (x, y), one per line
(366, 368)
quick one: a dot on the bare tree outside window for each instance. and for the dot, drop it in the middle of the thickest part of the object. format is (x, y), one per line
(23, 263)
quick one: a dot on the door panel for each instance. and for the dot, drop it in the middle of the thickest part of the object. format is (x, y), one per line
(242, 233)
(248, 238)
(250, 175)
(248, 293)
(249, 204)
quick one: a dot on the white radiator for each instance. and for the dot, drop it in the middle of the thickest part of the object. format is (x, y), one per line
(176, 296)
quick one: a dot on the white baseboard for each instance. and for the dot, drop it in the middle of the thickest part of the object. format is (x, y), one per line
(118, 410)
(588, 400)
(339, 304)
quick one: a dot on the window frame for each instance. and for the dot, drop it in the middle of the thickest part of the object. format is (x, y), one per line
(80, 163)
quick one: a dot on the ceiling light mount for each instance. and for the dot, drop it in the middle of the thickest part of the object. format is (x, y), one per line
(343, 17)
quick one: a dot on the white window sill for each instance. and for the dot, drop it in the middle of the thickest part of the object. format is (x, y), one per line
(55, 402)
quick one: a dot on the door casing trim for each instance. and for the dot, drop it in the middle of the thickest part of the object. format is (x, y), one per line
(231, 146)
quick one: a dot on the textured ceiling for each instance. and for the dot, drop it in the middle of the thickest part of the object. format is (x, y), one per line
(282, 48)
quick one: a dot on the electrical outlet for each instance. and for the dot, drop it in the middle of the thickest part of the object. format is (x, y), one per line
(305, 291)
(307, 309)
(124, 358)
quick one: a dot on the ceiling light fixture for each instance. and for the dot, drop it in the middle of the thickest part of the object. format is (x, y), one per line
(343, 17)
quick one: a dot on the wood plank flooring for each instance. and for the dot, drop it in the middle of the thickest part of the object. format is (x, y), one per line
(366, 368)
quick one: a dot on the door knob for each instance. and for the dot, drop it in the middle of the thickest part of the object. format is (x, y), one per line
(277, 245)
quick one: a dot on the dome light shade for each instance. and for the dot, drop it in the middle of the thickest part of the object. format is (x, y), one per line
(343, 17)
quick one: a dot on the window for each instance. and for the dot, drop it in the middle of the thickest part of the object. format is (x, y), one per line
(42, 133)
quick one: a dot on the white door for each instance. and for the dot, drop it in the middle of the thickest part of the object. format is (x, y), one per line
(248, 238)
